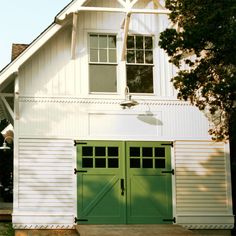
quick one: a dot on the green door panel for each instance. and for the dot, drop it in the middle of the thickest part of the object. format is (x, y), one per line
(149, 198)
(124, 182)
(99, 195)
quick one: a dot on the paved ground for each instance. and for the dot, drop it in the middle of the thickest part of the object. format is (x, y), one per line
(134, 230)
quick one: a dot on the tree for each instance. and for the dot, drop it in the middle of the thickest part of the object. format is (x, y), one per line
(204, 40)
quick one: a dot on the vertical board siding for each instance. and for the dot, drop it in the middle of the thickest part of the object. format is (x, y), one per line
(201, 178)
(45, 175)
(46, 72)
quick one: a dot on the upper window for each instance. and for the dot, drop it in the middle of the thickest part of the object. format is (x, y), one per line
(102, 63)
(139, 64)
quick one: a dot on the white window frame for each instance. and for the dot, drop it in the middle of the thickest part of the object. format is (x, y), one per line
(98, 62)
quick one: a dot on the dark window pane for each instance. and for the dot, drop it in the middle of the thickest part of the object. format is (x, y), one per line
(140, 79)
(87, 162)
(148, 57)
(102, 78)
(147, 163)
(130, 42)
(130, 56)
(135, 163)
(147, 152)
(100, 162)
(112, 41)
(160, 152)
(113, 151)
(140, 56)
(100, 151)
(139, 42)
(87, 151)
(134, 152)
(113, 163)
(148, 43)
(160, 163)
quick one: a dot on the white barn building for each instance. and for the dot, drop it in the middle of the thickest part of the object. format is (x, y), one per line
(80, 157)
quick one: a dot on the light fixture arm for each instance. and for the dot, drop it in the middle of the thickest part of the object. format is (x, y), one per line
(128, 102)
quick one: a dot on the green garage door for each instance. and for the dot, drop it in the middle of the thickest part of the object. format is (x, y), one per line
(124, 182)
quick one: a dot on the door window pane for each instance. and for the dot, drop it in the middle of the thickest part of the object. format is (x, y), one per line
(135, 163)
(113, 151)
(160, 152)
(147, 151)
(134, 152)
(87, 151)
(147, 163)
(160, 163)
(100, 162)
(100, 151)
(87, 162)
(113, 163)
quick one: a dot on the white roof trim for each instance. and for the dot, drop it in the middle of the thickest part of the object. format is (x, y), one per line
(33, 47)
(73, 7)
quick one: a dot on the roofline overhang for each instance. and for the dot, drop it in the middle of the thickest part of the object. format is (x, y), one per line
(14, 66)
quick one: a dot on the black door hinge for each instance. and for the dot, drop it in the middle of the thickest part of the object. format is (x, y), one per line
(79, 220)
(169, 172)
(168, 144)
(77, 142)
(170, 220)
(79, 171)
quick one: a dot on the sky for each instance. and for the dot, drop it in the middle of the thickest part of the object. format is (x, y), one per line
(21, 21)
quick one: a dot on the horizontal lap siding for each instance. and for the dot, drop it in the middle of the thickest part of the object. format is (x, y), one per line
(201, 178)
(45, 175)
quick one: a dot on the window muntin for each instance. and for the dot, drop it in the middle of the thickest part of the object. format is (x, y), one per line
(102, 63)
(139, 64)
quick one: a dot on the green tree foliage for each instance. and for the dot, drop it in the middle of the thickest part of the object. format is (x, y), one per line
(204, 39)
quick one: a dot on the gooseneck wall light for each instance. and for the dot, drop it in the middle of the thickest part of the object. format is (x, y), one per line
(128, 102)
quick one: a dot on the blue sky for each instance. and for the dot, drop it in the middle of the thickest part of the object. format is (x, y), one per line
(21, 21)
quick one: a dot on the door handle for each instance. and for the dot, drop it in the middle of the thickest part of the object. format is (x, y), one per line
(122, 186)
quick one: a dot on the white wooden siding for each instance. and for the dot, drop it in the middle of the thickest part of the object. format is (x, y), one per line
(89, 119)
(46, 73)
(202, 184)
(45, 175)
(51, 72)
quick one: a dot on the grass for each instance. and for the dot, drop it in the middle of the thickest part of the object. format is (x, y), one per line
(6, 229)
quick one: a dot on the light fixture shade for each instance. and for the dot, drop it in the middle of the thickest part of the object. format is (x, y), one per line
(128, 102)
(4, 146)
